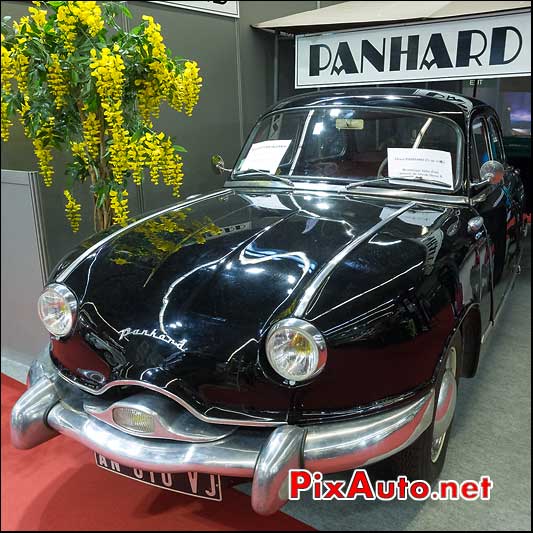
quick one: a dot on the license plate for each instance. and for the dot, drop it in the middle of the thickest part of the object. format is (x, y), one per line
(207, 486)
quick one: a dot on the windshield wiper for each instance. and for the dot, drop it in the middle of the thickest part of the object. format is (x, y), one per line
(287, 181)
(389, 178)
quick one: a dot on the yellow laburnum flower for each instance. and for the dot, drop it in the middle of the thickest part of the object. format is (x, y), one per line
(107, 68)
(185, 91)
(8, 74)
(18, 63)
(38, 16)
(119, 205)
(42, 149)
(6, 121)
(57, 81)
(91, 133)
(72, 211)
(72, 15)
(79, 149)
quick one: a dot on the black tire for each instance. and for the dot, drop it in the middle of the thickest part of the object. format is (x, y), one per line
(415, 461)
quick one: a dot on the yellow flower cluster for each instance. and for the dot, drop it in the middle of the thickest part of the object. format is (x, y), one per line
(158, 152)
(181, 89)
(57, 81)
(24, 109)
(20, 62)
(119, 205)
(78, 150)
(73, 13)
(108, 69)
(38, 15)
(19, 26)
(187, 89)
(152, 90)
(72, 211)
(7, 74)
(91, 134)
(43, 151)
(6, 122)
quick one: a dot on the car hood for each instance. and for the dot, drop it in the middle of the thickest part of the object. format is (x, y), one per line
(182, 299)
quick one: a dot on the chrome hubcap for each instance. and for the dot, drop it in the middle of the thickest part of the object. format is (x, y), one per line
(445, 405)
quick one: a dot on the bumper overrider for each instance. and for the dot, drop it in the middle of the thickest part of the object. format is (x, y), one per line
(265, 455)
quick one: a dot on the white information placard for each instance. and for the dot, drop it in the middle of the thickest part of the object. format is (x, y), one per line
(265, 155)
(420, 164)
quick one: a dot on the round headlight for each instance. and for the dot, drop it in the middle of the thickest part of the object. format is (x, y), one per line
(296, 349)
(57, 309)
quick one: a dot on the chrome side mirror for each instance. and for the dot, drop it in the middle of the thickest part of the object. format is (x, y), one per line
(492, 171)
(218, 164)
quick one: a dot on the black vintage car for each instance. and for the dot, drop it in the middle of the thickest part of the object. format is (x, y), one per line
(316, 312)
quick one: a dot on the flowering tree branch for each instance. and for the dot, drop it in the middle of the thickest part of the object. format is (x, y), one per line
(79, 83)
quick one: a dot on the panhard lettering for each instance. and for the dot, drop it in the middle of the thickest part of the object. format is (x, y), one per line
(126, 332)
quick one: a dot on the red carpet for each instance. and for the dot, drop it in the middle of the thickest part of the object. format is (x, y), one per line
(57, 486)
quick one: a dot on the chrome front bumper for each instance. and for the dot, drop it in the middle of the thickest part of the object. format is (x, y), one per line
(263, 455)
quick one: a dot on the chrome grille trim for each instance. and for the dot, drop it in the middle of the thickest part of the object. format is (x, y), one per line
(171, 421)
(250, 421)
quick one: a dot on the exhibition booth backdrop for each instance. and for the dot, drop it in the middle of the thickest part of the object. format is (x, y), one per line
(246, 69)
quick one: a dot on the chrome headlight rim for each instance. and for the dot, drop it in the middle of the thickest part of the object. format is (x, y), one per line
(311, 333)
(70, 299)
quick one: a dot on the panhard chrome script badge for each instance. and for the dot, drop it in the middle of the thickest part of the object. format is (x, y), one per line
(125, 333)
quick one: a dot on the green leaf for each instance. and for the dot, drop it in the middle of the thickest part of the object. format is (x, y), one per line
(48, 26)
(125, 11)
(101, 199)
(179, 148)
(56, 5)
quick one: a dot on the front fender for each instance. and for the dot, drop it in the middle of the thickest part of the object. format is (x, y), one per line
(388, 313)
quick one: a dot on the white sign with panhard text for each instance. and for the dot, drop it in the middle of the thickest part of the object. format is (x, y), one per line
(227, 9)
(493, 46)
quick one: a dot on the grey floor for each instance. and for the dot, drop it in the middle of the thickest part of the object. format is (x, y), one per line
(491, 436)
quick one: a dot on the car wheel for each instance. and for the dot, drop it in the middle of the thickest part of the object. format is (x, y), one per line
(425, 458)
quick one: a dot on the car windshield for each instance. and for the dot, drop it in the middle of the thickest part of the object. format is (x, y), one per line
(352, 145)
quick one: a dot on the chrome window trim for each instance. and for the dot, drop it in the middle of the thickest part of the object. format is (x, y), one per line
(461, 140)
(328, 268)
(260, 422)
(396, 194)
(66, 273)
(481, 118)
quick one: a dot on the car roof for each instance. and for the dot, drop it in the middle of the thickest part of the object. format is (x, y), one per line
(456, 106)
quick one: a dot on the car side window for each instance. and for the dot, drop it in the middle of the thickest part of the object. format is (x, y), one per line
(495, 139)
(480, 148)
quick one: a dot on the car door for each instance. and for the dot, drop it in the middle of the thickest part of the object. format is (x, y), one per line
(513, 187)
(493, 202)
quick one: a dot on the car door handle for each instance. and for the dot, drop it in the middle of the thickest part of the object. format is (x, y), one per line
(475, 224)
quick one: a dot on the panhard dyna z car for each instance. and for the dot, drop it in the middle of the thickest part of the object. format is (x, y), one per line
(317, 312)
